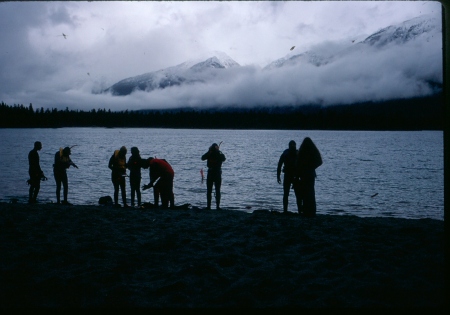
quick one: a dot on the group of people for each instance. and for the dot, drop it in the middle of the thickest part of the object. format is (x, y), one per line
(62, 162)
(298, 167)
(161, 177)
(160, 171)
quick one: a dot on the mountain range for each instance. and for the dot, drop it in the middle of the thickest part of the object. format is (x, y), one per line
(217, 64)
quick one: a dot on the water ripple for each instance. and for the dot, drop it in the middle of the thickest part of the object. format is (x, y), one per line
(405, 169)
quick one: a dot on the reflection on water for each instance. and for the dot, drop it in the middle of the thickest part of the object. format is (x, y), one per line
(404, 168)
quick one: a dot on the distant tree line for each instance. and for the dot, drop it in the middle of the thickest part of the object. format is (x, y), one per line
(409, 114)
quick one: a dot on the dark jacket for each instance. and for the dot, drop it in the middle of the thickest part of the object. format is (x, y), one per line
(34, 166)
(214, 159)
(134, 165)
(288, 158)
(62, 162)
(117, 164)
(307, 162)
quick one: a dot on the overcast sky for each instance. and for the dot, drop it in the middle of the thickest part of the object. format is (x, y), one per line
(109, 41)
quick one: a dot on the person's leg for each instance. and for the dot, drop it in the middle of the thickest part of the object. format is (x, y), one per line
(37, 187)
(298, 191)
(209, 186)
(31, 189)
(65, 183)
(217, 186)
(138, 191)
(35, 184)
(286, 188)
(309, 200)
(123, 191)
(133, 190)
(58, 187)
(30, 192)
(116, 192)
(165, 193)
(156, 195)
(172, 199)
(170, 192)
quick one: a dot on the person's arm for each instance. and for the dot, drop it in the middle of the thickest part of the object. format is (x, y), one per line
(205, 156)
(111, 163)
(280, 164)
(151, 184)
(33, 159)
(71, 163)
(57, 161)
(154, 176)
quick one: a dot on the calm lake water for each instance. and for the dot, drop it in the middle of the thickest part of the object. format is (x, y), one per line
(405, 168)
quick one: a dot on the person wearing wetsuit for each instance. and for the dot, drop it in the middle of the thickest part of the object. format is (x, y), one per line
(162, 173)
(35, 172)
(134, 165)
(62, 163)
(214, 158)
(287, 158)
(308, 159)
(118, 165)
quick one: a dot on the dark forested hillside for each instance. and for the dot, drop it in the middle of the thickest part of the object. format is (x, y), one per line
(413, 114)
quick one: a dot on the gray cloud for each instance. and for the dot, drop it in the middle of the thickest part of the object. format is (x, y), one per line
(115, 40)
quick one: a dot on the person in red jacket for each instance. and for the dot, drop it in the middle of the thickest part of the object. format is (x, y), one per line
(162, 174)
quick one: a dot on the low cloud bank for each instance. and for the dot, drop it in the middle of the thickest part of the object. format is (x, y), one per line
(398, 72)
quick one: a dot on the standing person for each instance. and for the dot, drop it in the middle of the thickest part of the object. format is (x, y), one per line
(118, 165)
(162, 173)
(134, 165)
(214, 158)
(287, 158)
(62, 163)
(35, 172)
(308, 159)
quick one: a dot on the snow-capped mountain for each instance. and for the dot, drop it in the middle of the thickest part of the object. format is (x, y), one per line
(209, 67)
(425, 26)
(311, 57)
(189, 72)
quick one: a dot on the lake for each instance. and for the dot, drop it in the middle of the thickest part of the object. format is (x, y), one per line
(404, 168)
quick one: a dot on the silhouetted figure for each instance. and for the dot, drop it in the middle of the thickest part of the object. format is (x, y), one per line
(35, 172)
(161, 179)
(62, 163)
(286, 164)
(134, 165)
(118, 165)
(214, 158)
(308, 159)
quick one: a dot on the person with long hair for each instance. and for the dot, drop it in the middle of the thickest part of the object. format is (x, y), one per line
(308, 159)
(62, 163)
(118, 166)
